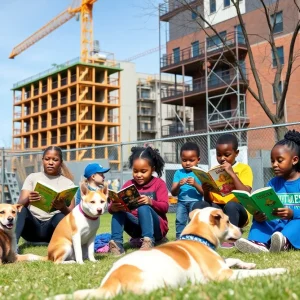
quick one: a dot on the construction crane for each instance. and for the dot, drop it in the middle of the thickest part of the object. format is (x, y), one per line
(82, 7)
(149, 51)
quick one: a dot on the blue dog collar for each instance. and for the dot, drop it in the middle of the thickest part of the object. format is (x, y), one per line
(192, 237)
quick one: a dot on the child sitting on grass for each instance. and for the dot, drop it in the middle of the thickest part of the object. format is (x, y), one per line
(186, 185)
(94, 174)
(241, 174)
(149, 221)
(281, 234)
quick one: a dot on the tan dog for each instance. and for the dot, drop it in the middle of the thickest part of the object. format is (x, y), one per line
(193, 258)
(8, 242)
(73, 238)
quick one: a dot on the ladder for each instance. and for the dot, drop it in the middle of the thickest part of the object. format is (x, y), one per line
(11, 188)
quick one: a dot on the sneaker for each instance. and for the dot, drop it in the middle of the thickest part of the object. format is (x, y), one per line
(278, 242)
(135, 242)
(116, 249)
(247, 246)
(227, 245)
(162, 241)
(147, 244)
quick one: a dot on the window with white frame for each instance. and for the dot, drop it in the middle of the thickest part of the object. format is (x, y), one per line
(213, 6)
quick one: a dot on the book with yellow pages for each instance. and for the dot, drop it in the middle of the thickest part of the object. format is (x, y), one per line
(49, 194)
(264, 200)
(217, 177)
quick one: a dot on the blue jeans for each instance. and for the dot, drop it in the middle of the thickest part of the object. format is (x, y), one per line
(145, 225)
(182, 215)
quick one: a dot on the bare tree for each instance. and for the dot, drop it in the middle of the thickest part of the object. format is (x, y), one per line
(257, 91)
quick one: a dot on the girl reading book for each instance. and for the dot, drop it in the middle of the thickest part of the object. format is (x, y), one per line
(149, 221)
(281, 234)
(34, 224)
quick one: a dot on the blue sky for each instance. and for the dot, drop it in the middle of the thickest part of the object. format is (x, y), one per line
(124, 27)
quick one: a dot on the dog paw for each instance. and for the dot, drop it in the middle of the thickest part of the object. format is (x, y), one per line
(275, 271)
(80, 262)
(247, 266)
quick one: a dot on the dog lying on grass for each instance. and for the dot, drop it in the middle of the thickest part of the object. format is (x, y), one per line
(192, 258)
(8, 242)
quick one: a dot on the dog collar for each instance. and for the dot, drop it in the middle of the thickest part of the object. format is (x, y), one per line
(87, 216)
(192, 237)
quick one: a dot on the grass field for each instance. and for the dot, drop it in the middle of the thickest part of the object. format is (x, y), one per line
(38, 280)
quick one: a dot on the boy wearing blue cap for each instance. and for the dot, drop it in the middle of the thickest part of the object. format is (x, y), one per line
(94, 174)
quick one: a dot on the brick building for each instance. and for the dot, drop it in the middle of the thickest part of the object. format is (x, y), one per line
(215, 89)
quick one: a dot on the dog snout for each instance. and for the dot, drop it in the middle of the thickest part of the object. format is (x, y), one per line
(99, 211)
(10, 219)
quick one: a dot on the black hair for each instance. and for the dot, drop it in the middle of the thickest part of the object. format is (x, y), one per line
(64, 169)
(292, 141)
(190, 146)
(151, 155)
(228, 138)
(54, 148)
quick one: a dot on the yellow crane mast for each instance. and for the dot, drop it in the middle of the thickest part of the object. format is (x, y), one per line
(82, 7)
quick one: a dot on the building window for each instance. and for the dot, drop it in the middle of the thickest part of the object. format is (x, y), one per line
(214, 41)
(277, 18)
(145, 94)
(226, 3)
(195, 49)
(240, 34)
(280, 90)
(176, 54)
(280, 55)
(212, 4)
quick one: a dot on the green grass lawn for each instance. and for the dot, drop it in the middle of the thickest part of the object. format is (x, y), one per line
(38, 280)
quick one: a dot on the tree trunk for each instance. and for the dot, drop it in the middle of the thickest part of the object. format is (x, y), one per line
(280, 131)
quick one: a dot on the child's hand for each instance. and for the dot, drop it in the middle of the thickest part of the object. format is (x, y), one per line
(207, 187)
(191, 181)
(283, 213)
(259, 217)
(227, 167)
(182, 181)
(143, 199)
(116, 207)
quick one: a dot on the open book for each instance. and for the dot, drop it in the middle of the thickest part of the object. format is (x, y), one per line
(49, 194)
(217, 177)
(264, 200)
(127, 196)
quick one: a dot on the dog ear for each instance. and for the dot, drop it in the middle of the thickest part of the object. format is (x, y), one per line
(105, 189)
(18, 207)
(193, 213)
(84, 189)
(215, 217)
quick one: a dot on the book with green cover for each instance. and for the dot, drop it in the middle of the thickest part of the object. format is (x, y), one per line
(128, 197)
(49, 194)
(264, 200)
(217, 177)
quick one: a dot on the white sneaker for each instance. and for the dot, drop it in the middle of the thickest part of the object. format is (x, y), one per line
(277, 242)
(247, 246)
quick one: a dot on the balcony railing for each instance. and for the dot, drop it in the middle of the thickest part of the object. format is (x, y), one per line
(35, 91)
(54, 85)
(215, 80)
(177, 128)
(54, 140)
(63, 119)
(63, 81)
(226, 115)
(44, 142)
(35, 144)
(146, 113)
(189, 53)
(113, 119)
(73, 97)
(54, 103)
(113, 81)
(44, 88)
(170, 6)
(73, 117)
(147, 128)
(63, 100)
(44, 124)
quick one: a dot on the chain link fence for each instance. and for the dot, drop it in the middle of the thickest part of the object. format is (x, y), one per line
(255, 145)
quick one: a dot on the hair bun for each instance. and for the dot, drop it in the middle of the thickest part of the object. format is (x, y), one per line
(293, 136)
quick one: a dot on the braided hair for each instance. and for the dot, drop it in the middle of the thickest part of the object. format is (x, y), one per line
(151, 155)
(292, 141)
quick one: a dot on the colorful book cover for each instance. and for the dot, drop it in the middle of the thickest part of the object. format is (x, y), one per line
(48, 194)
(264, 200)
(216, 177)
(128, 197)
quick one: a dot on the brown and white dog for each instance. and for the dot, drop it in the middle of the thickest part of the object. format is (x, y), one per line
(192, 258)
(8, 242)
(73, 238)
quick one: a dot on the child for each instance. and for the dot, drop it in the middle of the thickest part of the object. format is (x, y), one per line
(281, 234)
(148, 222)
(94, 174)
(227, 151)
(186, 185)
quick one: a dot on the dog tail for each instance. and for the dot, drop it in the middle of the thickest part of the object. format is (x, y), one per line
(31, 257)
